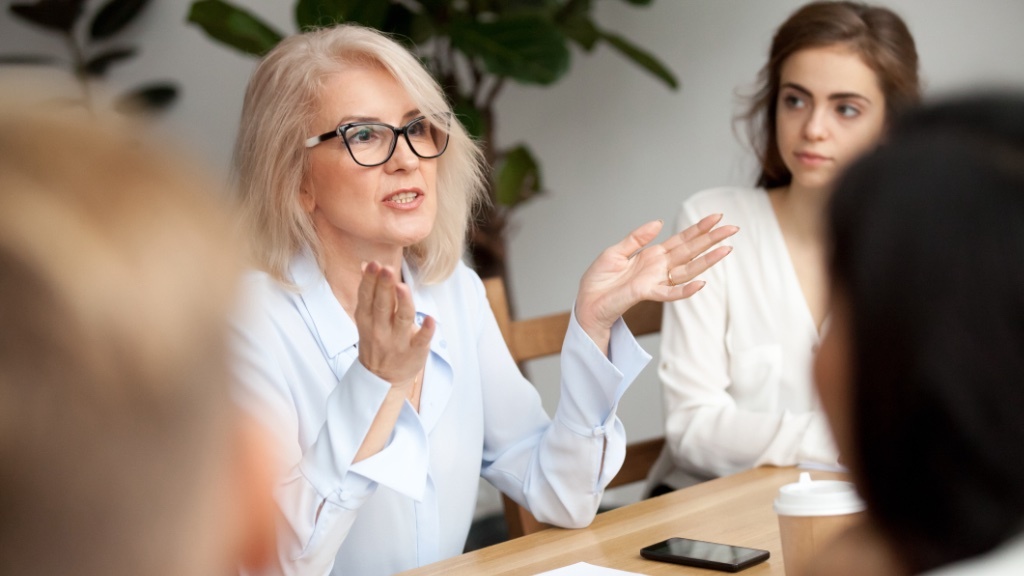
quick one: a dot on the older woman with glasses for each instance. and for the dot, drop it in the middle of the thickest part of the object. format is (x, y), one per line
(371, 348)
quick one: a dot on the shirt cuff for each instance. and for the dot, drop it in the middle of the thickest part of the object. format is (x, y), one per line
(402, 464)
(593, 383)
(351, 409)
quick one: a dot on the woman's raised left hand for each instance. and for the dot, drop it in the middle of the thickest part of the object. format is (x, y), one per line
(632, 271)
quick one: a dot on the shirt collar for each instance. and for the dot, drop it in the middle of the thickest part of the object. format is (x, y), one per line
(334, 327)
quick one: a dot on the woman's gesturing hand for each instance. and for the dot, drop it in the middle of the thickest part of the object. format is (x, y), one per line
(632, 271)
(391, 345)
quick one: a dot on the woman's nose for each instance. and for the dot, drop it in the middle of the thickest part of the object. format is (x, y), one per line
(815, 128)
(403, 157)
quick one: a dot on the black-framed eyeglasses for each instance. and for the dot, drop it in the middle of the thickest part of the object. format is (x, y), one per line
(373, 143)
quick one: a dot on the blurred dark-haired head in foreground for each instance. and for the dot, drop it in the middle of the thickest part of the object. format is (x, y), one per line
(922, 371)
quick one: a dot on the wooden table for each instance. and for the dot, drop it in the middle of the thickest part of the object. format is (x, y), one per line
(733, 510)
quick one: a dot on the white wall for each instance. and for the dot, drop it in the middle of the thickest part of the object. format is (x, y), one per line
(617, 147)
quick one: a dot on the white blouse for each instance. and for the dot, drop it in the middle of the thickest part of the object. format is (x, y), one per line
(736, 358)
(412, 503)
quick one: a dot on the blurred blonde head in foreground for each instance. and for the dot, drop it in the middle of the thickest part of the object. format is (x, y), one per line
(120, 452)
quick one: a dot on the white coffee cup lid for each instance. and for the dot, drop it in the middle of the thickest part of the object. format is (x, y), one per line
(817, 498)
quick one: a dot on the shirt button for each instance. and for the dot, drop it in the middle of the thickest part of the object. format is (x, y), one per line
(444, 343)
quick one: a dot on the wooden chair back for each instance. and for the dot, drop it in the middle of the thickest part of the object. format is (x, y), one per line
(541, 336)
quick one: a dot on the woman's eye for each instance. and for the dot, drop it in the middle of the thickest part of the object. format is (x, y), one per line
(847, 111)
(362, 134)
(793, 101)
(420, 128)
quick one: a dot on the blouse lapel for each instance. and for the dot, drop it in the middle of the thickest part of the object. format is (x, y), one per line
(439, 374)
(336, 332)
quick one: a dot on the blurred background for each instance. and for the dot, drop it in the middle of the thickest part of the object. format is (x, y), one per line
(617, 146)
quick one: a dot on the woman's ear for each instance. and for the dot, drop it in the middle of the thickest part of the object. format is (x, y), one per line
(253, 480)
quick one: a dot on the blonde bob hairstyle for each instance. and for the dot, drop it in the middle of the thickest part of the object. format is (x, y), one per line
(271, 160)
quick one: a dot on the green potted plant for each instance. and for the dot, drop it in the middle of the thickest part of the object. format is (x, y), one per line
(92, 47)
(473, 48)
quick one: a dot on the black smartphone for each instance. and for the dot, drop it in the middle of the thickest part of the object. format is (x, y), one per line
(724, 557)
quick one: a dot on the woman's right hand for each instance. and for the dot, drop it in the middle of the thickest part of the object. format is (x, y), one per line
(391, 345)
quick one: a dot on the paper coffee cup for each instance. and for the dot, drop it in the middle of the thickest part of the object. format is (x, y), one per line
(812, 512)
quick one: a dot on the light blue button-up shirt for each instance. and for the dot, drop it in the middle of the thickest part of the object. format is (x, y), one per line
(412, 503)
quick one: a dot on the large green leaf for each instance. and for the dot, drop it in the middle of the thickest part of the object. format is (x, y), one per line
(529, 49)
(518, 177)
(574, 21)
(316, 13)
(470, 117)
(436, 9)
(114, 16)
(409, 27)
(574, 8)
(234, 26)
(505, 8)
(641, 57)
(59, 15)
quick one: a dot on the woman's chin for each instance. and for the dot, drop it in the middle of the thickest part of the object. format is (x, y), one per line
(412, 239)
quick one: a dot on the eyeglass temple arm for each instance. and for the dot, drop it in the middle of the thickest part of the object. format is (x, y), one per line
(314, 140)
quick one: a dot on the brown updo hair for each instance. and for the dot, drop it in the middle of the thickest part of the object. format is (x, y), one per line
(876, 34)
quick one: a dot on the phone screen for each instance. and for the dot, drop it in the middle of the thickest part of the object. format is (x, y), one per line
(704, 554)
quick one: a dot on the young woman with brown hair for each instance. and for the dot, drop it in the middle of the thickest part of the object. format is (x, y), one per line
(735, 362)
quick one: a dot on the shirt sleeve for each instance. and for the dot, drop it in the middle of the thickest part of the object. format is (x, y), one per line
(708, 434)
(320, 490)
(557, 468)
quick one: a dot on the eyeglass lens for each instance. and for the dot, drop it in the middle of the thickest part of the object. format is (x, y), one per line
(373, 144)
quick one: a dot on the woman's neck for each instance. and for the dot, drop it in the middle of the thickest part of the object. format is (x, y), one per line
(343, 268)
(801, 212)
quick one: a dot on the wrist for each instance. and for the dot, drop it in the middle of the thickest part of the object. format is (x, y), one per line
(396, 396)
(402, 385)
(589, 321)
(598, 332)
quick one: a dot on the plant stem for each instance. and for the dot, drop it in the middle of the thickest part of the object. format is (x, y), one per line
(449, 58)
(437, 61)
(492, 95)
(478, 82)
(78, 62)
